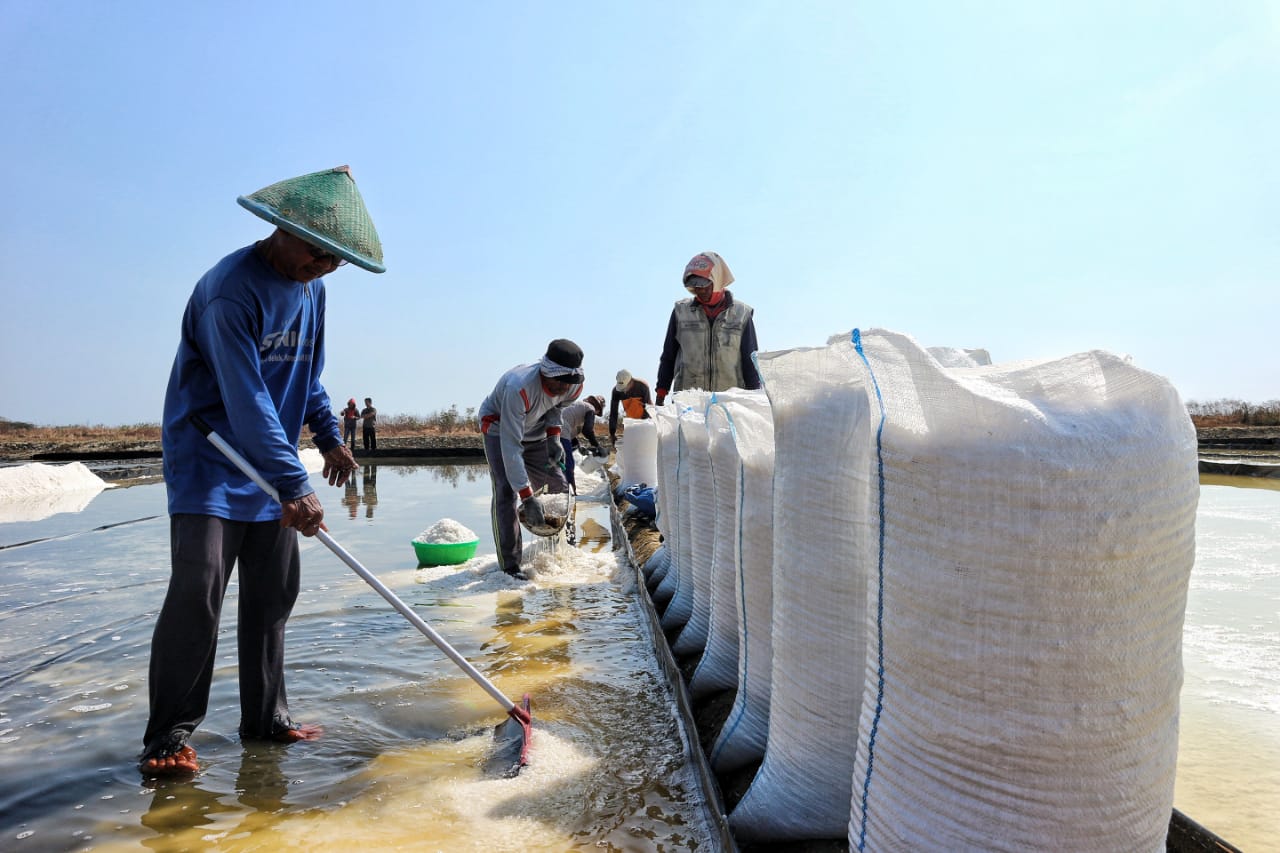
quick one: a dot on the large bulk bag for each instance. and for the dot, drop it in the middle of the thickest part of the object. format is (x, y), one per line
(693, 597)
(638, 457)
(677, 586)
(1036, 534)
(657, 566)
(718, 667)
(823, 439)
(741, 739)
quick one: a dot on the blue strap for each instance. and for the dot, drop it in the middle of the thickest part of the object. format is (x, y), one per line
(875, 720)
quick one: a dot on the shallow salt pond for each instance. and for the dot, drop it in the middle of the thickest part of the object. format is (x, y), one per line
(406, 733)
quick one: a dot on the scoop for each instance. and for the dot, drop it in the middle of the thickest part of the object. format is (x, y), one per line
(555, 511)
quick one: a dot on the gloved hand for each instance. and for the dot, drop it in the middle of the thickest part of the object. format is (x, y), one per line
(662, 395)
(338, 465)
(599, 452)
(533, 514)
(305, 515)
(555, 451)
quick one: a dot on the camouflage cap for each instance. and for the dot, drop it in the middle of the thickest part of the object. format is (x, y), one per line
(326, 210)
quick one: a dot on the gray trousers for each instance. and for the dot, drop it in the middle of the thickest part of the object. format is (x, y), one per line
(506, 523)
(184, 645)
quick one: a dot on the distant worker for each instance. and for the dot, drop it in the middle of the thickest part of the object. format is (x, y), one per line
(248, 363)
(370, 417)
(350, 417)
(522, 421)
(580, 420)
(710, 337)
(633, 395)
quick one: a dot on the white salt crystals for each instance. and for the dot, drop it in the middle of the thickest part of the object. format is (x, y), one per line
(446, 530)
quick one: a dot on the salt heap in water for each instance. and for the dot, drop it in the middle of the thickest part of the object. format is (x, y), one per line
(447, 531)
(36, 491)
(40, 479)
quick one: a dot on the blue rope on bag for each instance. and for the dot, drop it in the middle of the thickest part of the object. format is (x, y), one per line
(875, 721)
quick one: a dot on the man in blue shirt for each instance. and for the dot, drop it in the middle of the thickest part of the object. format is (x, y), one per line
(249, 364)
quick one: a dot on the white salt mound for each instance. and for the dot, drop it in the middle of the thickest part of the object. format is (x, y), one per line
(312, 459)
(36, 491)
(446, 531)
(38, 479)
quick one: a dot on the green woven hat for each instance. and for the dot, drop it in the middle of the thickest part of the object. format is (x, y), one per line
(326, 210)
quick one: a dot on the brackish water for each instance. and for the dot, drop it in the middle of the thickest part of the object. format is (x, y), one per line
(406, 734)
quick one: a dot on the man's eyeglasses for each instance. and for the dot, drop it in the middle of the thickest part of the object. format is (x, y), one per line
(329, 257)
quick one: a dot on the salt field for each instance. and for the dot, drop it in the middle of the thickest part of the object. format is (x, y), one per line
(402, 762)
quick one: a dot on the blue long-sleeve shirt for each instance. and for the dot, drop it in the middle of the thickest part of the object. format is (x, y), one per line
(249, 363)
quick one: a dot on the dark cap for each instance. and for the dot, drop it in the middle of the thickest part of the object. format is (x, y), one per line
(565, 353)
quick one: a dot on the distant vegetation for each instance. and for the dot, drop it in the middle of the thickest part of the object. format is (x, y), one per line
(444, 422)
(1234, 413)
(448, 421)
(451, 421)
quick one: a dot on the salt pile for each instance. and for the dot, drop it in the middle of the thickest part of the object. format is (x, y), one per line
(39, 479)
(36, 491)
(446, 531)
(312, 459)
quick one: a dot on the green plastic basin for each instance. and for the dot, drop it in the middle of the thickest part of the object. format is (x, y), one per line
(444, 553)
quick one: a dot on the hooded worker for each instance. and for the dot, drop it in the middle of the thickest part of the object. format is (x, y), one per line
(522, 421)
(350, 418)
(633, 396)
(710, 336)
(248, 363)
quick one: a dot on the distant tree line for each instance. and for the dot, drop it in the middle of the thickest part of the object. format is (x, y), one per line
(1227, 412)
(444, 421)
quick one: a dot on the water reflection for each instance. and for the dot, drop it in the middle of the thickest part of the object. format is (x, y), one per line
(445, 473)
(369, 480)
(352, 498)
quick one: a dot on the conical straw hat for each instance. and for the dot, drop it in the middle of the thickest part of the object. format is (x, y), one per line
(326, 210)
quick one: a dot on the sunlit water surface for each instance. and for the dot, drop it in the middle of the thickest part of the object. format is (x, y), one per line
(1229, 746)
(401, 762)
(406, 734)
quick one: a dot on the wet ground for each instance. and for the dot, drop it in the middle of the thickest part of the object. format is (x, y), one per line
(401, 765)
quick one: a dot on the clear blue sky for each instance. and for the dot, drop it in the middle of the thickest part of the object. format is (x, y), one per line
(1036, 179)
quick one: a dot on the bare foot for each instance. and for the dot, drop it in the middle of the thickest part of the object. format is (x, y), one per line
(181, 763)
(297, 733)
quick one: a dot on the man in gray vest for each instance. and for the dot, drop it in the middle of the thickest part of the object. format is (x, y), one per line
(710, 337)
